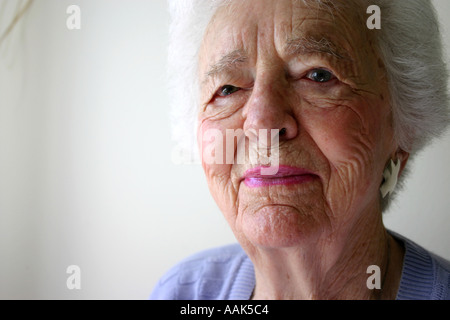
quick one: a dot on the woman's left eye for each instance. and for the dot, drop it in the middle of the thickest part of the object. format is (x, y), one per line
(320, 75)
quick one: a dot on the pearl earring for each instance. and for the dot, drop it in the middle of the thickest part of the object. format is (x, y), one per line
(390, 176)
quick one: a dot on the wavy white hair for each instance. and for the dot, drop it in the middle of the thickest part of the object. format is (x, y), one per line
(409, 43)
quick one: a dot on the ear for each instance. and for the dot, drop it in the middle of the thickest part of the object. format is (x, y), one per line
(403, 156)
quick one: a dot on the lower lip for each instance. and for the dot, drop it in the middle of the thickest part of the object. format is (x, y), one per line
(277, 181)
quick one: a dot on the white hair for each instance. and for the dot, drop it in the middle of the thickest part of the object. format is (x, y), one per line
(409, 43)
(189, 20)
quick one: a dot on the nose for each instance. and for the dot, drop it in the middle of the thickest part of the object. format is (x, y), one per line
(269, 108)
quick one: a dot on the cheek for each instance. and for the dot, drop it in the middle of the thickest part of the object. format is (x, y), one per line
(212, 149)
(341, 136)
(354, 146)
(212, 143)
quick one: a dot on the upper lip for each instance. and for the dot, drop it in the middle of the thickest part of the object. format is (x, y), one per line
(283, 172)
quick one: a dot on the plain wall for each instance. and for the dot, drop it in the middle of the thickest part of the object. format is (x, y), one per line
(86, 176)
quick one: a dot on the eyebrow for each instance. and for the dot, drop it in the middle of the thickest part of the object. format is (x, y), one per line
(310, 45)
(227, 62)
(294, 46)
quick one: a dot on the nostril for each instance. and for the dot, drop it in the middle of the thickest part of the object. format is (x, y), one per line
(283, 132)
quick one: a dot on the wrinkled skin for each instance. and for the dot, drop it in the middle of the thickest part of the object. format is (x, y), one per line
(306, 240)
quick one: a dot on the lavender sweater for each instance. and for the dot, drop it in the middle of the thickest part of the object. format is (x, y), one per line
(227, 273)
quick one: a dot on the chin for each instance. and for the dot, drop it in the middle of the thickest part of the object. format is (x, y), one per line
(281, 226)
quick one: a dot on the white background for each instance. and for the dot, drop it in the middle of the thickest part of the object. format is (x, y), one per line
(86, 176)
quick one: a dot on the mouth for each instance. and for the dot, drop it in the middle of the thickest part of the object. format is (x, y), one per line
(286, 175)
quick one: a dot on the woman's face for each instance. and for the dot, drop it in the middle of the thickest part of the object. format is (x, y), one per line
(314, 72)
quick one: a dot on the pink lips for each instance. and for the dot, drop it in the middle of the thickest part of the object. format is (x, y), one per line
(285, 176)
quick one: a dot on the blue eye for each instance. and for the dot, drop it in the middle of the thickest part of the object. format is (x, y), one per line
(227, 90)
(320, 75)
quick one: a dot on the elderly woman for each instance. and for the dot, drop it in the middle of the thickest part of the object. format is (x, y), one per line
(350, 104)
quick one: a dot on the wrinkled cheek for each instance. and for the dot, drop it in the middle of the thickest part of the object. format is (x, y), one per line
(211, 144)
(217, 143)
(351, 159)
(353, 182)
(212, 149)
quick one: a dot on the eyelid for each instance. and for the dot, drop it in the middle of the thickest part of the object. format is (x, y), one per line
(321, 69)
(220, 90)
(299, 67)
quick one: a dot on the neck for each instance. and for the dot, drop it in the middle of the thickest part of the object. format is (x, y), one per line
(333, 268)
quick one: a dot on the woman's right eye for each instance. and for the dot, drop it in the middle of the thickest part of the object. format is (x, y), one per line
(227, 90)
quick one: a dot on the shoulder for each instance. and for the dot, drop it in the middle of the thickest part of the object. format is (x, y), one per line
(425, 276)
(210, 274)
(442, 269)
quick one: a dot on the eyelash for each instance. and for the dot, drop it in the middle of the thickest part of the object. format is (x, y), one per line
(332, 76)
(220, 92)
